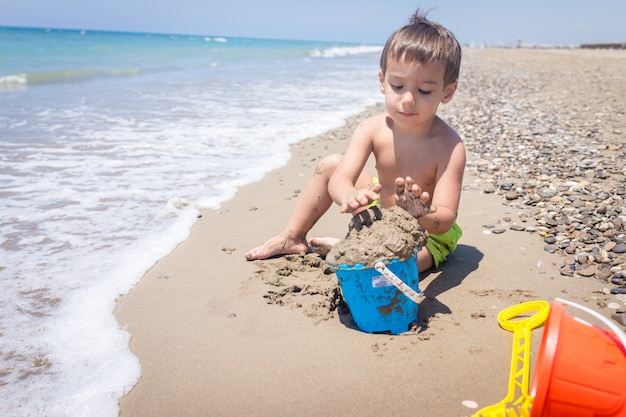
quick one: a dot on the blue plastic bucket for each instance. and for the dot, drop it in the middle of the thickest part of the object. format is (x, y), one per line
(376, 305)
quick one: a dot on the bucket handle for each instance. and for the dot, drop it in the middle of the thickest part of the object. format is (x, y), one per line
(619, 333)
(517, 397)
(416, 296)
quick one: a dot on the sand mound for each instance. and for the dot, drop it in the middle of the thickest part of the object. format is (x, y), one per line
(395, 235)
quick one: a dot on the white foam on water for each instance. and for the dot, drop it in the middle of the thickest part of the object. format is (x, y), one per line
(339, 51)
(13, 81)
(101, 178)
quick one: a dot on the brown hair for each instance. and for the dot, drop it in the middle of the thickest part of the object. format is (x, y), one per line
(425, 42)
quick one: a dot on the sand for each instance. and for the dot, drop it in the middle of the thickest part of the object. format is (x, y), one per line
(219, 336)
(386, 234)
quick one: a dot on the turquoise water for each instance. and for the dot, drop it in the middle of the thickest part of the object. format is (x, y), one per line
(110, 143)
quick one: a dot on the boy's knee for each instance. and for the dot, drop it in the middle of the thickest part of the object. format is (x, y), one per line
(425, 260)
(328, 164)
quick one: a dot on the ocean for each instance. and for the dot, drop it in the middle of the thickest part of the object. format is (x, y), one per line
(110, 143)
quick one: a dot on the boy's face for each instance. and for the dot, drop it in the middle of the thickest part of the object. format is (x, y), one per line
(413, 90)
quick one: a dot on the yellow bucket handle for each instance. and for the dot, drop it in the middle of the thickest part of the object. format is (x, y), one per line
(518, 397)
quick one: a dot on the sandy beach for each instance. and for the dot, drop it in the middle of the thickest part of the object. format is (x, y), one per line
(219, 336)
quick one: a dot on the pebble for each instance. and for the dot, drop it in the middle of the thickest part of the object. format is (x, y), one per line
(511, 195)
(619, 248)
(586, 272)
(559, 163)
(620, 318)
(603, 274)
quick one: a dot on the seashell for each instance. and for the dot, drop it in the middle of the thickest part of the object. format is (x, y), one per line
(469, 404)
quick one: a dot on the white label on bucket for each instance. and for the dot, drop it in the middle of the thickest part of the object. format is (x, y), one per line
(379, 281)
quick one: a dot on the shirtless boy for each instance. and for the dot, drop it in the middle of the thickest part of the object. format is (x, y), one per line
(419, 158)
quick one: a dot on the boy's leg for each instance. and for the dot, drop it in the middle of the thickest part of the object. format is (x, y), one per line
(312, 204)
(323, 245)
(440, 246)
(425, 260)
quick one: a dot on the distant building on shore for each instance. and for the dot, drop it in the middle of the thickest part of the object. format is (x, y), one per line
(613, 45)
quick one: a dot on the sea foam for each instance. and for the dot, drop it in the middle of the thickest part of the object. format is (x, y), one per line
(13, 82)
(108, 156)
(340, 51)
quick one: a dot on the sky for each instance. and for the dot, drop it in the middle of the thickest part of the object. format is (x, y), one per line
(490, 22)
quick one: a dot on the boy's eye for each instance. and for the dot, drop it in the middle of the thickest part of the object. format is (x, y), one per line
(396, 86)
(424, 92)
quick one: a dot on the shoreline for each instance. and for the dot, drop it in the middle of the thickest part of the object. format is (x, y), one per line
(218, 335)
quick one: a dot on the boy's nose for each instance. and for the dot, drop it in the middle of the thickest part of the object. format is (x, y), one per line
(408, 98)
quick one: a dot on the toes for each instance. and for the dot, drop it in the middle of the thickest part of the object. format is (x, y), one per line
(252, 255)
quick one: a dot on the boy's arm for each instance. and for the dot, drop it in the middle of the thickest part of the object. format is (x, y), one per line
(342, 184)
(447, 192)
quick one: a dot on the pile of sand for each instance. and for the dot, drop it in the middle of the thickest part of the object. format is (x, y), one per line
(395, 235)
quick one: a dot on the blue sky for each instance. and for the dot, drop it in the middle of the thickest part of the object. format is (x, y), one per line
(555, 22)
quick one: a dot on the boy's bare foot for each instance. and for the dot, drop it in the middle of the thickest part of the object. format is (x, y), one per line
(322, 245)
(278, 245)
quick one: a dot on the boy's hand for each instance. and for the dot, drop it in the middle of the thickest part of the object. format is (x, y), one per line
(365, 218)
(361, 198)
(410, 197)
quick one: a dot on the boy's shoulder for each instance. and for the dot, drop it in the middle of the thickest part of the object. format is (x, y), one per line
(375, 122)
(447, 132)
(377, 119)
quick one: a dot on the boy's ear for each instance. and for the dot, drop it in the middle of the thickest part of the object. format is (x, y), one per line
(381, 81)
(448, 92)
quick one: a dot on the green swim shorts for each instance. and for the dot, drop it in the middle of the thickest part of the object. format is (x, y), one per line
(375, 202)
(442, 245)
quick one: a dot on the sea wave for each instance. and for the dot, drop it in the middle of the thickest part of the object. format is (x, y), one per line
(13, 82)
(61, 76)
(337, 51)
(218, 39)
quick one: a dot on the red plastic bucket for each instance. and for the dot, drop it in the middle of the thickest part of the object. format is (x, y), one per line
(581, 368)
